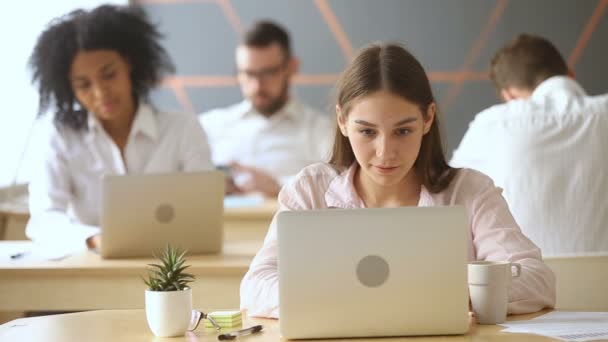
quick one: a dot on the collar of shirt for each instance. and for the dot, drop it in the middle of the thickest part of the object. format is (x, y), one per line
(557, 86)
(288, 111)
(341, 192)
(145, 122)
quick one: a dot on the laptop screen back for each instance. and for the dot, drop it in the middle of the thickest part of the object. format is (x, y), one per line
(141, 214)
(373, 272)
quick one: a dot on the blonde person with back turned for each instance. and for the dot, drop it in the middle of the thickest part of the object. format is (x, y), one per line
(94, 70)
(387, 153)
(546, 147)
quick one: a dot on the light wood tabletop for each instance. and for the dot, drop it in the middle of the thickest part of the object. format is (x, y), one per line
(264, 211)
(19, 210)
(14, 212)
(249, 223)
(86, 281)
(131, 325)
(13, 201)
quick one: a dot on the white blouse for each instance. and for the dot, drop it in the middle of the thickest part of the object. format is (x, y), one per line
(65, 190)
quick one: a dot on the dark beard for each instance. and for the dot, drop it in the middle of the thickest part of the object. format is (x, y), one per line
(275, 105)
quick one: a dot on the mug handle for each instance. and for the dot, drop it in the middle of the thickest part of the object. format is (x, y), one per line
(517, 268)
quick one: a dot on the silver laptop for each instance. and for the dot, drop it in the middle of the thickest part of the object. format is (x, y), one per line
(373, 272)
(141, 214)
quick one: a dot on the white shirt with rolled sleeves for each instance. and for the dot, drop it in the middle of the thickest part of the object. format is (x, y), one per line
(548, 153)
(494, 235)
(282, 145)
(65, 191)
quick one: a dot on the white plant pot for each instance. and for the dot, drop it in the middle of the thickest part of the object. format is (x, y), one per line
(169, 313)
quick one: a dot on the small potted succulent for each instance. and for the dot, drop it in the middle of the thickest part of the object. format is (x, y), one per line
(168, 297)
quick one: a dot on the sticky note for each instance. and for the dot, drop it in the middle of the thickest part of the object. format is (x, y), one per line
(225, 315)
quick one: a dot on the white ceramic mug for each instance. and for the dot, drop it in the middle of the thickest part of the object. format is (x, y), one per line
(489, 283)
(169, 313)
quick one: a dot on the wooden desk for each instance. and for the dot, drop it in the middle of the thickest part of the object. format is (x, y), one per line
(15, 209)
(240, 224)
(249, 223)
(86, 282)
(14, 213)
(131, 325)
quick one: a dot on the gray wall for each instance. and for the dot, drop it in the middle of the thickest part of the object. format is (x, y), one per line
(454, 39)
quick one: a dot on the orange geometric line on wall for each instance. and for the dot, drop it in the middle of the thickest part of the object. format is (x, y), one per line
(582, 41)
(225, 6)
(316, 79)
(471, 58)
(231, 15)
(457, 76)
(202, 81)
(179, 90)
(178, 82)
(336, 29)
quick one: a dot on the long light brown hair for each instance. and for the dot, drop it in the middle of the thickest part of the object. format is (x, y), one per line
(392, 68)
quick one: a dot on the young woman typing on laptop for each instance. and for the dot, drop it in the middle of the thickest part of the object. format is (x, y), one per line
(388, 153)
(94, 70)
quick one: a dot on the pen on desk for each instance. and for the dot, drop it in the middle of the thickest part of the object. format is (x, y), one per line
(19, 255)
(232, 335)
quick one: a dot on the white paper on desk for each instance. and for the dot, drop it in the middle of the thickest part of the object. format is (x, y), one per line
(242, 201)
(37, 252)
(563, 325)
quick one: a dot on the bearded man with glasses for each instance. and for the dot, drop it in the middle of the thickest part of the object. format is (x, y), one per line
(270, 136)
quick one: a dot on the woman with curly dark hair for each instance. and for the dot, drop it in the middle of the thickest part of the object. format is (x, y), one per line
(94, 70)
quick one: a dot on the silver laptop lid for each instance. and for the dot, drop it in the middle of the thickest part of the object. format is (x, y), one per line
(373, 272)
(141, 214)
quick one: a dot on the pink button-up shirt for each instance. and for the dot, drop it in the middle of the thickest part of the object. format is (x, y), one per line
(494, 234)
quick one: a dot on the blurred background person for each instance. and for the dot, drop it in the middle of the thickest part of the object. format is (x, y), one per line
(269, 136)
(546, 147)
(94, 70)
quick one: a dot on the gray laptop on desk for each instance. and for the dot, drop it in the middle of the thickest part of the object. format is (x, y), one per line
(373, 272)
(141, 214)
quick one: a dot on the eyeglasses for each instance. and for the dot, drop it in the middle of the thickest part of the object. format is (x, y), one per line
(263, 75)
(197, 317)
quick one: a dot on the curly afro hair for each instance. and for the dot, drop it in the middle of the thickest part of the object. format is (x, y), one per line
(124, 29)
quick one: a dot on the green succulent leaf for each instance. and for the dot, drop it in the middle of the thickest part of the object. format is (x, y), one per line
(169, 275)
